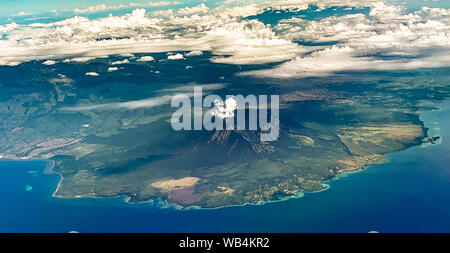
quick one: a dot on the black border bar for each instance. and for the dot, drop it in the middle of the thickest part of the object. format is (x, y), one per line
(269, 242)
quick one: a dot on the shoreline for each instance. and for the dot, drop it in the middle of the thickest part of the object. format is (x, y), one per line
(49, 169)
(161, 203)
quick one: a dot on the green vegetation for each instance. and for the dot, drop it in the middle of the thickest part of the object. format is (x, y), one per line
(328, 126)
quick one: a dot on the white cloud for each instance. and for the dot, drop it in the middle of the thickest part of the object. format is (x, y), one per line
(80, 37)
(251, 42)
(49, 62)
(78, 59)
(112, 69)
(127, 55)
(104, 7)
(146, 59)
(92, 74)
(187, 90)
(155, 4)
(190, 87)
(163, 13)
(244, 11)
(22, 13)
(201, 8)
(126, 61)
(387, 39)
(143, 103)
(175, 57)
(91, 9)
(4, 29)
(224, 109)
(291, 5)
(388, 30)
(338, 59)
(194, 53)
(322, 4)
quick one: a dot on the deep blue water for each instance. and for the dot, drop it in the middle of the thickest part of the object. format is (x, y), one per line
(272, 17)
(411, 193)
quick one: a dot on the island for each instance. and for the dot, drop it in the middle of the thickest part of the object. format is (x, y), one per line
(102, 148)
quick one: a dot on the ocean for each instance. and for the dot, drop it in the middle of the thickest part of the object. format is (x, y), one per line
(410, 193)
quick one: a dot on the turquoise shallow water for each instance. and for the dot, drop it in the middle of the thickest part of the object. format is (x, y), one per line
(411, 193)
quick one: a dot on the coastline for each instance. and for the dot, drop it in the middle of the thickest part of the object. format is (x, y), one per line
(163, 203)
(374, 199)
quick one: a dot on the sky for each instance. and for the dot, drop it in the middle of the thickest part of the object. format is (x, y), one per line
(9, 8)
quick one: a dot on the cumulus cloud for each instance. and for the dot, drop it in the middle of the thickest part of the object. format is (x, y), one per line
(244, 11)
(194, 53)
(112, 69)
(125, 61)
(420, 38)
(78, 59)
(92, 74)
(252, 42)
(91, 9)
(49, 62)
(386, 39)
(201, 8)
(127, 55)
(385, 27)
(322, 4)
(253, 7)
(22, 13)
(175, 57)
(146, 58)
(338, 59)
(4, 29)
(104, 7)
(239, 41)
(291, 5)
(224, 109)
